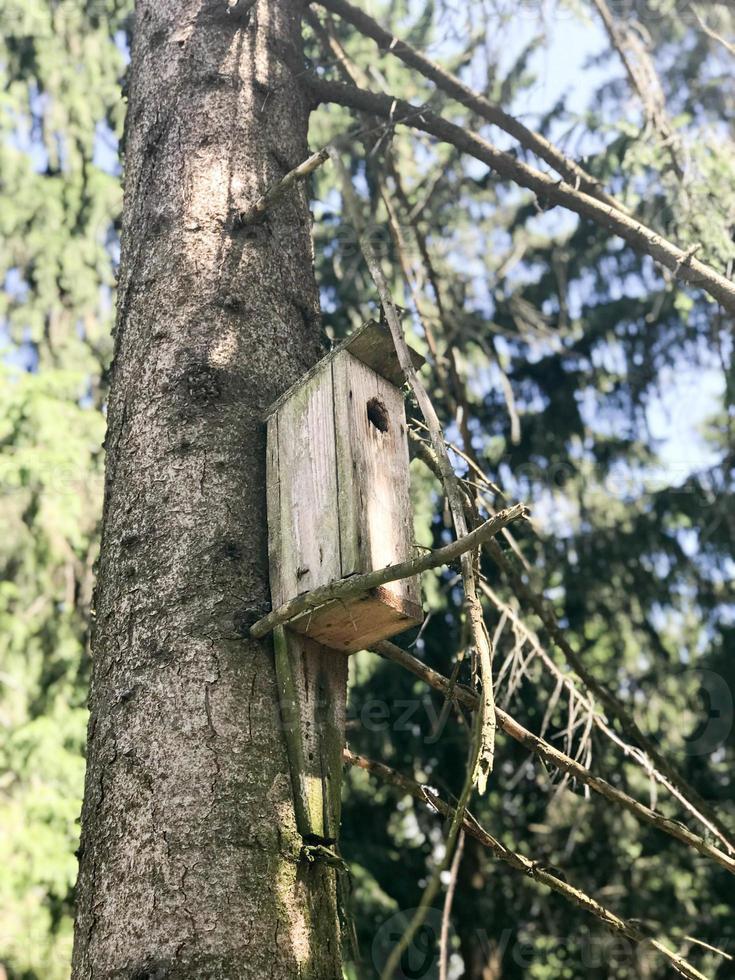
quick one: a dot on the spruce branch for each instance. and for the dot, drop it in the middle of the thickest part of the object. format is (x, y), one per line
(553, 756)
(528, 867)
(636, 234)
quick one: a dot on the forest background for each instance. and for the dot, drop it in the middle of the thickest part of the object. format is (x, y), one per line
(595, 389)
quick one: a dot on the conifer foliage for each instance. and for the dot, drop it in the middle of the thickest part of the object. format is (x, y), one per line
(60, 122)
(571, 371)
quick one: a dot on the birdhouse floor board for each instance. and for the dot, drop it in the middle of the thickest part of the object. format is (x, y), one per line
(357, 623)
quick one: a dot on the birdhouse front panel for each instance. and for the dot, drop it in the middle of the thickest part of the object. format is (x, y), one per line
(375, 518)
(303, 524)
(339, 500)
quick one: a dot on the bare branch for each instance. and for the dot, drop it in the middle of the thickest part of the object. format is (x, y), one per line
(686, 793)
(483, 763)
(553, 757)
(452, 385)
(533, 869)
(279, 190)
(657, 765)
(447, 910)
(644, 80)
(487, 110)
(640, 237)
(331, 46)
(482, 748)
(355, 585)
(710, 32)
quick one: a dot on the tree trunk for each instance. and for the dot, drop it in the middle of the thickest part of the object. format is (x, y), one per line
(189, 861)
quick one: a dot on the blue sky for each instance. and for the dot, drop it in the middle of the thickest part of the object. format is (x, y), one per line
(561, 67)
(689, 394)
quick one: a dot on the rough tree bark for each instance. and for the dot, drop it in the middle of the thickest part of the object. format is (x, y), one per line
(189, 861)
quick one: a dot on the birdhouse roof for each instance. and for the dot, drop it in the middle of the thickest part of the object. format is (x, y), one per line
(373, 345)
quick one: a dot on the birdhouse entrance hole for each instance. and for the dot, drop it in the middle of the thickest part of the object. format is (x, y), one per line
(377, 414)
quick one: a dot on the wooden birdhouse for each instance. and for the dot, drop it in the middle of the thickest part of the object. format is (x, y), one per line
(338, 492)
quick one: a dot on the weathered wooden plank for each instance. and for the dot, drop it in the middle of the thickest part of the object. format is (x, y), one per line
(375, 516)
(356, 624)
(273, 505)
(309, 530)
(312, 688)
(373, 345)
(349, 488)
(392, 463)
(325, 680)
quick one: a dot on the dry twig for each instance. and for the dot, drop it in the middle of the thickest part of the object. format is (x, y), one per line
(356, 585)
(533, 869)
(483, 734)
(638, 235)
(650, 757)
(555, 758)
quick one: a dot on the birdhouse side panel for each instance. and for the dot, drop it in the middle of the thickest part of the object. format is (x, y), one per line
(375, 516)
(273, 503)
(305, 546)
